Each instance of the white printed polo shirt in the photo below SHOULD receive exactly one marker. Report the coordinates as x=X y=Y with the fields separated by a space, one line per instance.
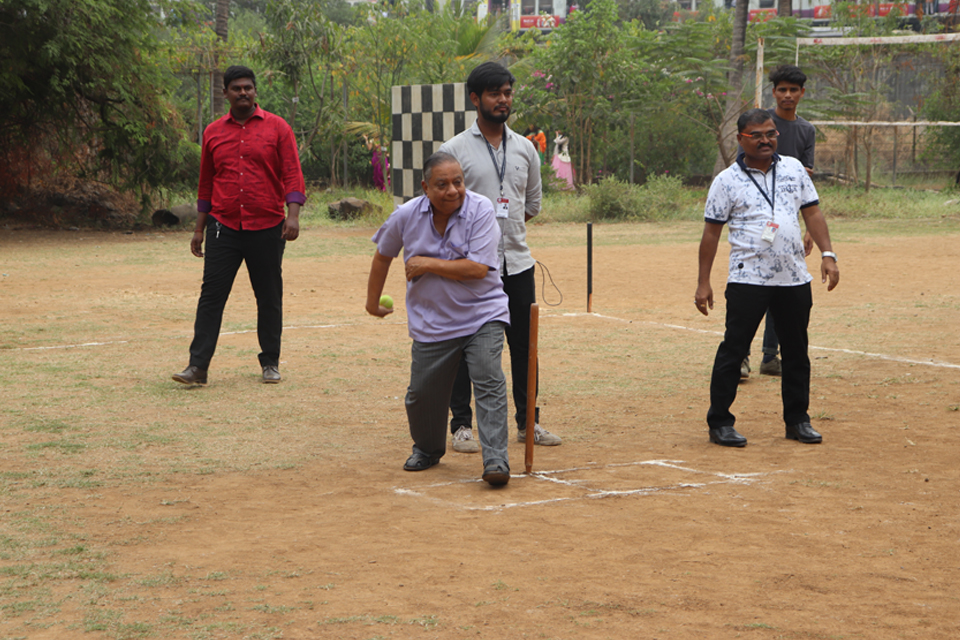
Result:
x=744 y=204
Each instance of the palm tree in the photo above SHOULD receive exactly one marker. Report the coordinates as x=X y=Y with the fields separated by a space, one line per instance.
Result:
x=727 y=137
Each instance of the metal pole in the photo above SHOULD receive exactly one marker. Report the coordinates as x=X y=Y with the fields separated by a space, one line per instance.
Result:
x=589 y=267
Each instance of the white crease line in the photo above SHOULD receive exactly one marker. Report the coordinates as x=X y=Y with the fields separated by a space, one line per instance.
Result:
x=222 y=333
x=881 y=356
x=68 y=346
x=588 y=493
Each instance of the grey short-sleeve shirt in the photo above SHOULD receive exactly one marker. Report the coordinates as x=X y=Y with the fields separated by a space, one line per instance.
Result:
x=521 y=186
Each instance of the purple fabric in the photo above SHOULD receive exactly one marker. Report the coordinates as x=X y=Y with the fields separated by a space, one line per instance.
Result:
x=439 y=308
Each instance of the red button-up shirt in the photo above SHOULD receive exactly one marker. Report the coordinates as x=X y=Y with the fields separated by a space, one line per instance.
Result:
x=248 y=171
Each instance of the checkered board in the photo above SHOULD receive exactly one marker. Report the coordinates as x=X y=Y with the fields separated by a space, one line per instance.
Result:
x=424 y=117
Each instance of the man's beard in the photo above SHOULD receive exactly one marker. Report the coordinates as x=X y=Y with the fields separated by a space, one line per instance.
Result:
x=489 y=116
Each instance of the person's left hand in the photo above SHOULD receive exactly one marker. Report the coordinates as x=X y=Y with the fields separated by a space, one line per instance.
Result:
x=415 y=267
x=829 y=273
x=291 y=229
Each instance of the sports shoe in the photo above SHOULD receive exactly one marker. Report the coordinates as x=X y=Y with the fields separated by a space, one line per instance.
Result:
x=540 y=436
x=271 y=374
x=463 y=441
x=771 y=368
x=745 y=368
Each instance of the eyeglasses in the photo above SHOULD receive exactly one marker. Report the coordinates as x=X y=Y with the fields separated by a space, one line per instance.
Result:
x=760 y=135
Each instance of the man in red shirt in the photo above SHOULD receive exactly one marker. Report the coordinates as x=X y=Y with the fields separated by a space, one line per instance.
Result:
x=248 y=168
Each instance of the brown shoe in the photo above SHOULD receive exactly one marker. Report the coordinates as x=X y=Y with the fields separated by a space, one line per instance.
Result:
x=191 y=375
x=271 y=374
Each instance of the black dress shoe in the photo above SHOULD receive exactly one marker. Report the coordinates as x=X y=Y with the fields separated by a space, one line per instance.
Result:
x=727 y=437
x=804 y=433
x=496 y=473
x=271 y=374
x=419 y=462
x=191 y=375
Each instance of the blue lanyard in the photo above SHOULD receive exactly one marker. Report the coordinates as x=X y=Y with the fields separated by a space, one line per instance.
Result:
x=500 y=169
x=773 y=207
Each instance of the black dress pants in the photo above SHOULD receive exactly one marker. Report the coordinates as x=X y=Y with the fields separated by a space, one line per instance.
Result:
x=522 y=292
x=746 y=304
x=225 y=249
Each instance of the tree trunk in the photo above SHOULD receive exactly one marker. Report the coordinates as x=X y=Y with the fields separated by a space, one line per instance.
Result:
x=222 y=17
x=726 y=142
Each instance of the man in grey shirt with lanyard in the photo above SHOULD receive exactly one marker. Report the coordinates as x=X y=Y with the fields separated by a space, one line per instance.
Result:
x=505 y=167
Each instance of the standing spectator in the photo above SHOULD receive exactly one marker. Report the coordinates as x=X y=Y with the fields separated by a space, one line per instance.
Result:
x=249 y=167
x=539 y=139
x=760 y=196
x=797 y=139
x=503 y=166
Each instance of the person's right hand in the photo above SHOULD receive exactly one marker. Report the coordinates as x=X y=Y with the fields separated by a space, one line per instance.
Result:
x=378 y=310
x=196 y=244
x=703 y=298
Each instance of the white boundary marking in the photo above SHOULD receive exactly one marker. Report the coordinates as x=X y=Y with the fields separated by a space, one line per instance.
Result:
x=589 y=493
x=866 y=354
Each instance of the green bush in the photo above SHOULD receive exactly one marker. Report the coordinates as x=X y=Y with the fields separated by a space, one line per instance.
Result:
x=548 y=178
x=662 y=197
x=613 y=199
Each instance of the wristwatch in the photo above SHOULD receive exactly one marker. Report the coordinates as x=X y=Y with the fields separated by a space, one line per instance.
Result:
x=829 y=254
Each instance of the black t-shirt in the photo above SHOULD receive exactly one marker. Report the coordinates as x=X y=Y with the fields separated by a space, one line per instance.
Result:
x=798 y=138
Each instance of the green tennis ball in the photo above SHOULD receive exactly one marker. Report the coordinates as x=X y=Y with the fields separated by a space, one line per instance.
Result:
x=386 y=301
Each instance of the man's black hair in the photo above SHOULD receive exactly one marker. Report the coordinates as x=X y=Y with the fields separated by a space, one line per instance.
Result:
x=788 y=73
x=236 y=72
x=489 y=76
x=752 y=116
x=435 y=160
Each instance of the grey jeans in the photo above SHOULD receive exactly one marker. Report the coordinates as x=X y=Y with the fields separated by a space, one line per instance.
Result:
x=432 y=372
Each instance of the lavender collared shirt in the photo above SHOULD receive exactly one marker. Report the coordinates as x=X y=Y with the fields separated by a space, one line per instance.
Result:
x=439 y=308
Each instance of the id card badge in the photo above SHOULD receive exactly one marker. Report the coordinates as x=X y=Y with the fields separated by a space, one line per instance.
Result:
x=503 y=207
x=770 y=232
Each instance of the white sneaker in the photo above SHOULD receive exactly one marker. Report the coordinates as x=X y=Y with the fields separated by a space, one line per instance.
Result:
x=540 y=436
x=463 y=441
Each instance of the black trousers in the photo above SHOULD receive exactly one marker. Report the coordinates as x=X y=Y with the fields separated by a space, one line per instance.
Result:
x=225 y=250
x=746 y=304
x=522 y=292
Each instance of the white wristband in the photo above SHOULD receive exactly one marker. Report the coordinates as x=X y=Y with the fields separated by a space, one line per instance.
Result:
x=829 y=254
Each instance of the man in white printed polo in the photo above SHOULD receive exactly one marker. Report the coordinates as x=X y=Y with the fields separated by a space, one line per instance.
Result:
x=759 y=197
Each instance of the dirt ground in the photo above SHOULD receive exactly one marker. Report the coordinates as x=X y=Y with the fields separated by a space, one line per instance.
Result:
x=241 y=510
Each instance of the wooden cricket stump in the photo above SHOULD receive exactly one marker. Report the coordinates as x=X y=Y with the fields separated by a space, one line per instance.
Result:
x=532 y=374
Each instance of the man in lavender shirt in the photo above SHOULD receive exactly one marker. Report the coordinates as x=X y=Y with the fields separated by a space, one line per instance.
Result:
x=456 y=308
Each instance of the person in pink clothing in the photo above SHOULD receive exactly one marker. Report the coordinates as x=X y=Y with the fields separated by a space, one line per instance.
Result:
x=562 y=166
x=378 y=159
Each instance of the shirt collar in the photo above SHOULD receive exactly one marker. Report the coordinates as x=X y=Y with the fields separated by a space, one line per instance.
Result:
x=743 y=166
x=475 y=129
x=425 y=206
x=257 y=113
